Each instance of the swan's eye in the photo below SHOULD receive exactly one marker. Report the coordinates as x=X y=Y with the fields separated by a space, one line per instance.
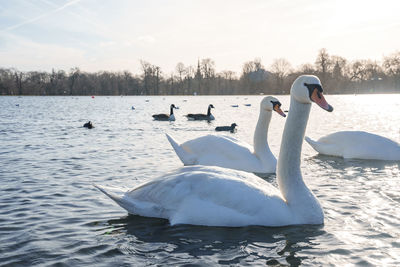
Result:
x=312 y=87
x=276 y=103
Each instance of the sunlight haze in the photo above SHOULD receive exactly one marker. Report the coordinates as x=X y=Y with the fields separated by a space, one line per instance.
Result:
x=116 y=35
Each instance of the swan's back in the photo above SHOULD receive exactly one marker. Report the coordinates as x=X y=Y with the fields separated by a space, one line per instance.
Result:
x=223 y=151
x=361 y=145
x=211 y=196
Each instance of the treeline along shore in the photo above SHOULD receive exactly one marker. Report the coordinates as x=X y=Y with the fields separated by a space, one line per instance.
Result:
x=338 y=76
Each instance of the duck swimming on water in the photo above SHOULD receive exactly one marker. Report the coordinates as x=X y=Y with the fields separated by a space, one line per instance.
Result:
x=166 y=117
x=226 y=128
x=88 y=125
x=204 y=117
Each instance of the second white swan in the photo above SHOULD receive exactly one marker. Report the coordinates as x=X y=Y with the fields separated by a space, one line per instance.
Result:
x=228 y=152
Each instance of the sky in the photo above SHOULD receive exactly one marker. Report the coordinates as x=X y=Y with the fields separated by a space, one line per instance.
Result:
x=114 y=35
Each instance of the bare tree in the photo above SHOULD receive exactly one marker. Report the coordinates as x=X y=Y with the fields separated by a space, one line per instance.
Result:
x=391 y=64
x=207 y=68
x=180 y=69
x=307 y=69
x=281 y=68
x=73 y=78
x=151 y=77
x=227 y=83
x=339 y=66
x=18 y=81
x=357 y=70
x=323 y=64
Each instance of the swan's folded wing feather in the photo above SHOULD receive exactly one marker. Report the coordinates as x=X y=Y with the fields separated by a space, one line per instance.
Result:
x=218 y=150
x=213 y=196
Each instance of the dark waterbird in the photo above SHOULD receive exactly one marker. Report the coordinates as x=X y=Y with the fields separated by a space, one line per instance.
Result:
x=88 y=125
x=226 y=128
x=204 y=117
x=166 y=117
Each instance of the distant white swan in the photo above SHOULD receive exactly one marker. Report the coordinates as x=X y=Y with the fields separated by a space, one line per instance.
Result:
x=357 y=145
x=228 y=152
x=216 y=196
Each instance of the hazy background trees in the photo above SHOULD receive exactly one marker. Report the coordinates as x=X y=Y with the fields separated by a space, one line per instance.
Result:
x=338 y=76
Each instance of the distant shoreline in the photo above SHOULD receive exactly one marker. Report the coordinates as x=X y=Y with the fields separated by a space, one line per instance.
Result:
x=335 y=73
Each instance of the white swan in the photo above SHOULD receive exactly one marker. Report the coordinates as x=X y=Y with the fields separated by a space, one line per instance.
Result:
x=228 y=152
x=356 y=145
x=216 y=196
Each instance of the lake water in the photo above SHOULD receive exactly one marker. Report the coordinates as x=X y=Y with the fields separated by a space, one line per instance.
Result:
x=50 y=214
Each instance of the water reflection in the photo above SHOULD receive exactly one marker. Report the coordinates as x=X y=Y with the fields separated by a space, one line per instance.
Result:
x=268 y=177
x=225 y=245
x=340 y=163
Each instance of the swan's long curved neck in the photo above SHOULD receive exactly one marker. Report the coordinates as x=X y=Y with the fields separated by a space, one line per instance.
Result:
x=260 y=139
x=288 y=172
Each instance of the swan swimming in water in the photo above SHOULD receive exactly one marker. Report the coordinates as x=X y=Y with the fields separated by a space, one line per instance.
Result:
x=215 y=196
x=228 y=152
x=165 y=117
x=202 y=117
x=356 y=145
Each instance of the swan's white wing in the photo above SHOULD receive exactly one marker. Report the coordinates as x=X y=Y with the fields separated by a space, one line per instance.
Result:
x=357 y=144
x=223 y=151
x=325 y=148
x=210 y=196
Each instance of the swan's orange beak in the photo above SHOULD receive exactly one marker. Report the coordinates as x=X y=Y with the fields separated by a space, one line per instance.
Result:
x=279 y=111
x=319 y=99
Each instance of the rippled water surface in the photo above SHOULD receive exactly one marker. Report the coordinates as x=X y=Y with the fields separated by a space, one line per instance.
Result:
x=50 y=214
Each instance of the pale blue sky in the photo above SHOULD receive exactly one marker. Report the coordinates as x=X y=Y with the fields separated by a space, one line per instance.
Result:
x=115 y=34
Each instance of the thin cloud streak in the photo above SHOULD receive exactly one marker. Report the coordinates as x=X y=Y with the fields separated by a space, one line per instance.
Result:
x=29 y=21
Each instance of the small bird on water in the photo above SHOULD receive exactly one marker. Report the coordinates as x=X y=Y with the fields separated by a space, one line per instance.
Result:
x=88 y=125
x=227 y=128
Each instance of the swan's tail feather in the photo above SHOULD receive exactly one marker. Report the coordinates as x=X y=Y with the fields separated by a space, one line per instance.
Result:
x=132 y=205
x=117 y=195
x=325 y=148
x=183 y=155
x=311 y=142
x=317 y=146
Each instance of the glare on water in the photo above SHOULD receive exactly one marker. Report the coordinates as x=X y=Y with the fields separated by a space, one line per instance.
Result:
x=51 y=214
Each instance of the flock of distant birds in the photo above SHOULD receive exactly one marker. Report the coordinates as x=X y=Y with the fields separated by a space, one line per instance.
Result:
x=191 y=116
x=218 y=186
x=195 y=117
